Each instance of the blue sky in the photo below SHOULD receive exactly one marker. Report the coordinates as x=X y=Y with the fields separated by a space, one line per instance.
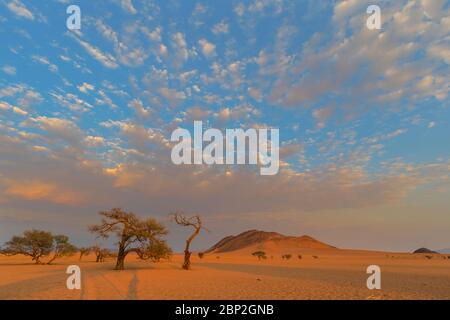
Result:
x=86 y=116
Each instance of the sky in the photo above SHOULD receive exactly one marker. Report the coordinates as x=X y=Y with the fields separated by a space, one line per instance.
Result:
x=86 y=117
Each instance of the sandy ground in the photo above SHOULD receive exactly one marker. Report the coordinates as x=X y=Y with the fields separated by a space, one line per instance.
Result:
x=334 y=274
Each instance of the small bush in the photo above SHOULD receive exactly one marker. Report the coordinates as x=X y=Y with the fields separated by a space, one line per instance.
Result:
x=259 y=254
x=201 y=255
x=315 y=257
x=286 y=256
x=429 y=257
x=300 y=257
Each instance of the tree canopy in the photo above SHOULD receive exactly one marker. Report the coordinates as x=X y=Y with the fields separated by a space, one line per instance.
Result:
x=143 y=237
x=38 y=244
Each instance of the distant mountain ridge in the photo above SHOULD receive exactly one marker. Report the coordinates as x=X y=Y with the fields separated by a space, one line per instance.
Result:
x=260 y=238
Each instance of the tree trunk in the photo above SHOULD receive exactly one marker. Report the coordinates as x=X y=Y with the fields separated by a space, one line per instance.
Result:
x=120 y=264
x=52 y=259
x=187 y=259
x=187 y=253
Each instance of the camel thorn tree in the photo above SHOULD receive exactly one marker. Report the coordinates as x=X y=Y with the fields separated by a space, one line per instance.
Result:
x=62 y=247
x=194 y=222
x=38 y=244
x=143 y=237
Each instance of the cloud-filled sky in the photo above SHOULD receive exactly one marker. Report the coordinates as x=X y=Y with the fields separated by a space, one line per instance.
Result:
x=364 y=119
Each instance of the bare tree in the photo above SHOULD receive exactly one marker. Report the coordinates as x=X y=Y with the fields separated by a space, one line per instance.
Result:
x=194 y=222
x=143 y=237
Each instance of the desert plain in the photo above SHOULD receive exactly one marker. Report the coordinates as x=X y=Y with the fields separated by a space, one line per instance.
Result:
x=319 y=274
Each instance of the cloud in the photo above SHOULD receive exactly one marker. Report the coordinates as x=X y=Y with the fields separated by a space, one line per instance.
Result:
x=6 y=106
x=220 y=27
x=20 y=9
x=44 y=60
x=58 y=129
x=105 y=59
x=181 y=50
x=141 y=111
x=36 y=190
x=128 y=6
x=85 y=87
x=331 y=66
x=72 y=102
x=9 y=70
x=174 y=97
x=25 y=96
x=208 y=48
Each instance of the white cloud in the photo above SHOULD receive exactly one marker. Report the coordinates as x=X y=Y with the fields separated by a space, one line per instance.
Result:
x=181 y=50
x=221 y=27
x=128 y=6
x=105 y=59
x=208 y=48
x=9 y=70
x=85 y=87
x=44 y=60
x=20 y=9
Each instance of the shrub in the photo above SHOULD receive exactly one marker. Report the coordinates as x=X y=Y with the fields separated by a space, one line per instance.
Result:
x=259 y=254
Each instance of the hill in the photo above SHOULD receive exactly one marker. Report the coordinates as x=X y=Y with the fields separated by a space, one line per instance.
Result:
x=269 y=241
x=424 y=250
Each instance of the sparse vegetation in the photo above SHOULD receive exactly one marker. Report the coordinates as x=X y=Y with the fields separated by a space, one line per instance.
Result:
x=38 y=244
x=201 y=255
x=286 y=256
x=143 y=237
x=62 y=247
x=84 y=251
x=259 y=254
x=194 y=222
